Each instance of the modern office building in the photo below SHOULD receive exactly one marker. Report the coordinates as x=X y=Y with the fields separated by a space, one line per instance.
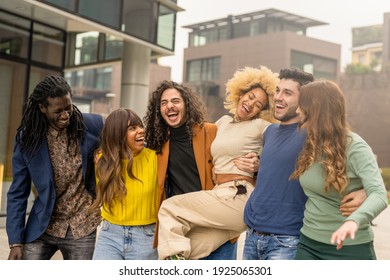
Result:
x=274 y=38
x=367 y=45
x=105 y=49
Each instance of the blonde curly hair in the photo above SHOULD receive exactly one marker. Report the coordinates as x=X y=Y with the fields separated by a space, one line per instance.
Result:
x=246 y=79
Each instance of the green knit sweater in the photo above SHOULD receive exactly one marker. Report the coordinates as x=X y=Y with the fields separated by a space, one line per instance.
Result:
x=322 y=215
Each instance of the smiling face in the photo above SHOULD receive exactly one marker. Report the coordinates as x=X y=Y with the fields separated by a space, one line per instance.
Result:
x=250 y=104
x=135 y=138
x=172 y=108
x=58 y=111
x=286 y=101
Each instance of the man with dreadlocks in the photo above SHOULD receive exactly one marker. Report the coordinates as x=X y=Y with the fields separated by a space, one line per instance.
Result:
x=176 y=128
x=54 y=150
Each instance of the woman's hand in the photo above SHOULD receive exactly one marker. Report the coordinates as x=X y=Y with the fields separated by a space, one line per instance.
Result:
x=348 y=229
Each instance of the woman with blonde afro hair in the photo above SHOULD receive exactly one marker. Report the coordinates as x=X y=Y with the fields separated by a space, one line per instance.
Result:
x=193 y=225
x=249 y=78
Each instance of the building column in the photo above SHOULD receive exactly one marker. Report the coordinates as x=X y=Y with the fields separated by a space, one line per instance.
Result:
x=135 y=78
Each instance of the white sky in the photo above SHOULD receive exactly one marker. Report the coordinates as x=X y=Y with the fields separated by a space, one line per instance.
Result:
x=341 y=16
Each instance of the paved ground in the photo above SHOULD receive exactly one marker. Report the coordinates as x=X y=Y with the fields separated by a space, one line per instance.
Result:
x=381 y=241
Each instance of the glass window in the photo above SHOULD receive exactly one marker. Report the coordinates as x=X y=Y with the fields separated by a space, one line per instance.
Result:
x=193 y=70
x=166 y=27
x=66 y=4
x=223 y=34
x=103 y=11
x=12 y=80
x=48 y=45
x=139 y=19
x=14 y=35
x=86 y=48
x=203 y=69
x=197 y=39
x=322 y=67
x=113 y=47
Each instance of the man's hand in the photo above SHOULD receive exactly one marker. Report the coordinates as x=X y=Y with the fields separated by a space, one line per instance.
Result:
x=348 y=229
x=352 y=201
x=16 y=253
x=248 y=163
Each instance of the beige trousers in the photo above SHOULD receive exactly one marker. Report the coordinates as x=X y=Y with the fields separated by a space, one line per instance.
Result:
x=197 y=223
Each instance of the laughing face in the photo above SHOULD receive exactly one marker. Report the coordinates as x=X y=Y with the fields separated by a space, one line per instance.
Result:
x=172 y=108
x=250 y=104
x=286 y=101
x=135 y=138
x=58 y=111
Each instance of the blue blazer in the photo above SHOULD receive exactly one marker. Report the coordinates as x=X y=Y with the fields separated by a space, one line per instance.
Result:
x=39 y=171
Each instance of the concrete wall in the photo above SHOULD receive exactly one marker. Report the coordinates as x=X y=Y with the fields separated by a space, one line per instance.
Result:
x=368 y=110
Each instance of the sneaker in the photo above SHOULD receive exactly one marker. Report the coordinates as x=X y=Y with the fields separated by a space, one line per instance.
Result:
x=178 y=257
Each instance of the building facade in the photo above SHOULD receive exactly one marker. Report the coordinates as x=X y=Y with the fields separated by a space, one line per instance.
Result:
x=105 y=50
x=367 y=45
x=270 y=37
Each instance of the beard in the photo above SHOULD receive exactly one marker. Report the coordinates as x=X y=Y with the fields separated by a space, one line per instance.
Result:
x=290 y=114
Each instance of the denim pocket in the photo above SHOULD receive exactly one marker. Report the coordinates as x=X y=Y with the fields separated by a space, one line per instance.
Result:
x=105 y=225
x=287 y=241
x=149 y=229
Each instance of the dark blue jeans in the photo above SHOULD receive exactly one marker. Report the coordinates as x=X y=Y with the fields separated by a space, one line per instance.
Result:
x=46 y=246
x=227 y=251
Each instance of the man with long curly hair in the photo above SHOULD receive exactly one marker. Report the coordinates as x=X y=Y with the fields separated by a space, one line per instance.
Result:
x=176 y=128
x=54 y=150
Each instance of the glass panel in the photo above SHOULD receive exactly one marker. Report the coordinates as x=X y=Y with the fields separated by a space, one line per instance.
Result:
x=66 y=4
x=113 y=48
x=90 y=88
x=193 y=70
x=103 y=11
x=138 y=19
x=166 y=28
x=12 y=80
x=48 y=45
x=86 y=49
x=322 y=68
x=14 y=35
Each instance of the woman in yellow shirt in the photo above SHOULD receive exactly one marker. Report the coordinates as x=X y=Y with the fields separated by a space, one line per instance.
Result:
x=126 y=190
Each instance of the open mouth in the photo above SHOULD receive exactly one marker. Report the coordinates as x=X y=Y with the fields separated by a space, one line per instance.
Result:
x=172 y=116
x=246 y=108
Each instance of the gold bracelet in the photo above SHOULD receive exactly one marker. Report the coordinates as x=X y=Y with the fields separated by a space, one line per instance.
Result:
x=15 y=245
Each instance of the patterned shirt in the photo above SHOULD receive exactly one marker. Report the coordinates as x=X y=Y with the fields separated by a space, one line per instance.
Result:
x=72 y=198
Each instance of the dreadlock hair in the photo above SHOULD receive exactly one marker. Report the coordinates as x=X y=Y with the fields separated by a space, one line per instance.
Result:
x=34 y=124
x=110 y=157
x=157 y=130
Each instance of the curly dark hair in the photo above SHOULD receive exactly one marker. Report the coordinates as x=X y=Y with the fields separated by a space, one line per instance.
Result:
x=34 y=124
x=299 y=76
x=156 y=129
